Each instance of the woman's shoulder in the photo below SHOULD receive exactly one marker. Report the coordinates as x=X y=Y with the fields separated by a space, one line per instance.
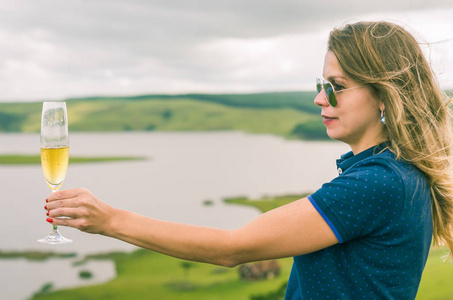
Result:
x=386 y=161
x=384 y=167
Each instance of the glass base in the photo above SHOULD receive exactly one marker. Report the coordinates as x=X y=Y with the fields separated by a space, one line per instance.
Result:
x=54 y=237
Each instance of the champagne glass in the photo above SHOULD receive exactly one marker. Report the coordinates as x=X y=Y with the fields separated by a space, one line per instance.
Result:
x=54 y=155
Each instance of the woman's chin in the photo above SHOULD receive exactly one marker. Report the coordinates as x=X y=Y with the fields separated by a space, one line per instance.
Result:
x=333 y=135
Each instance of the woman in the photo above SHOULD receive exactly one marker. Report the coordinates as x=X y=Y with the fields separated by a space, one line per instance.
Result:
x=365 y=234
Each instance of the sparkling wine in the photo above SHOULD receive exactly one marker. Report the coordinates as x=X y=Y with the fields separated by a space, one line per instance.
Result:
x=54 y=143
x=54 y=163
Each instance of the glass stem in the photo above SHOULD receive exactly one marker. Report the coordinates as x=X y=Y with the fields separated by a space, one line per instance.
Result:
x=55 y=226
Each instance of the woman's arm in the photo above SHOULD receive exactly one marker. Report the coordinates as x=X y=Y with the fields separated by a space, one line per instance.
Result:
x=290 y=230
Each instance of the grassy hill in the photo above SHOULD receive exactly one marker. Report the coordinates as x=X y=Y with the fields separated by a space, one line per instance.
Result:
x=290 y=114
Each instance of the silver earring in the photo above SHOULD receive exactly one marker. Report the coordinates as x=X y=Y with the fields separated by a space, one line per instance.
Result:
x=382 y=117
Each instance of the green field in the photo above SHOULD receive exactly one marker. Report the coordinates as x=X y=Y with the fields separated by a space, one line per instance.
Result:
x=149 y=275
x=436 y=279
x=264 y=204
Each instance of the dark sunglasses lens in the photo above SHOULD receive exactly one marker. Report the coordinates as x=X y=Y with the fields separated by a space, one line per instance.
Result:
x=318 y=87
x=330 y=94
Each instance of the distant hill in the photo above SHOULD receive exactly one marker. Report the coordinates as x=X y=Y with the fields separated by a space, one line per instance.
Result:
x=297 y=100
x=291 y=114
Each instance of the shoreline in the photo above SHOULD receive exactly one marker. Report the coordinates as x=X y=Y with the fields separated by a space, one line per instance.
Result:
x=14 y=159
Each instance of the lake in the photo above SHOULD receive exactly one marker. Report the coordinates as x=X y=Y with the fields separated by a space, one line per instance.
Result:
x=180 y=172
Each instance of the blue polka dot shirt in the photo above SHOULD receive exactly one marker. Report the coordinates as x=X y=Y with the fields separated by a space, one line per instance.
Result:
x=379 y=209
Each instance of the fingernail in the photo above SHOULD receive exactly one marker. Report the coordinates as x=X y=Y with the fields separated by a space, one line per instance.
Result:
x=45 y=206
x=47 y=200
x=50 y=220
x=47 y=213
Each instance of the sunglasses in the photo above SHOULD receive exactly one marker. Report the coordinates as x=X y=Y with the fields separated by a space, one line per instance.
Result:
x=329 y=91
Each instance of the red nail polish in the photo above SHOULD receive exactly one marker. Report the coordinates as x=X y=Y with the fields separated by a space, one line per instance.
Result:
x=50 y=220
x=45 y=206
x=47 y=200
x=47 y=213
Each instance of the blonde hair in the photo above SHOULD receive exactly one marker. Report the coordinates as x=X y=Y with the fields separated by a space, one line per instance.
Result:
x=389 y=60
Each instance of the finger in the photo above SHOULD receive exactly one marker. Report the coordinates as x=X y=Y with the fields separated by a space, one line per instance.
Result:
x=75 y=223
x=68 y=198
x=61 y=222
x=66 y=194
x=68 y=203
x=63 y=212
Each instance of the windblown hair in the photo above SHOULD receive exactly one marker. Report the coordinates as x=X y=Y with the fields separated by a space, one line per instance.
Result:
x=389 y=60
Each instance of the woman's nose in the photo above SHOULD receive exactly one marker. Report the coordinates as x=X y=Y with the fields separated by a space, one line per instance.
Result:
x=320 y=99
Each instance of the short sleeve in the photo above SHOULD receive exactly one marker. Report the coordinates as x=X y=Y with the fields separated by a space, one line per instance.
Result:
x=364 y=200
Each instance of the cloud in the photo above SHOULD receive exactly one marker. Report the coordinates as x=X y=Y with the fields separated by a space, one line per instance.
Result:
x=58 y=49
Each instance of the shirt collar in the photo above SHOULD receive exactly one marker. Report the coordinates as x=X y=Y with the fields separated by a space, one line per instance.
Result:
x=349 y=159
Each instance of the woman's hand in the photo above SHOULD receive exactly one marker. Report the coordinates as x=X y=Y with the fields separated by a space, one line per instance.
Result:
x=85 y=211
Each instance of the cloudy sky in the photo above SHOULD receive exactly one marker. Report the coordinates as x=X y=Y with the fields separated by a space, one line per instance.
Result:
x=55 y=49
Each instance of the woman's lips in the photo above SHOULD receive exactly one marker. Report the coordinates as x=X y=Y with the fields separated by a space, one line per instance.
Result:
x=327 y=120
